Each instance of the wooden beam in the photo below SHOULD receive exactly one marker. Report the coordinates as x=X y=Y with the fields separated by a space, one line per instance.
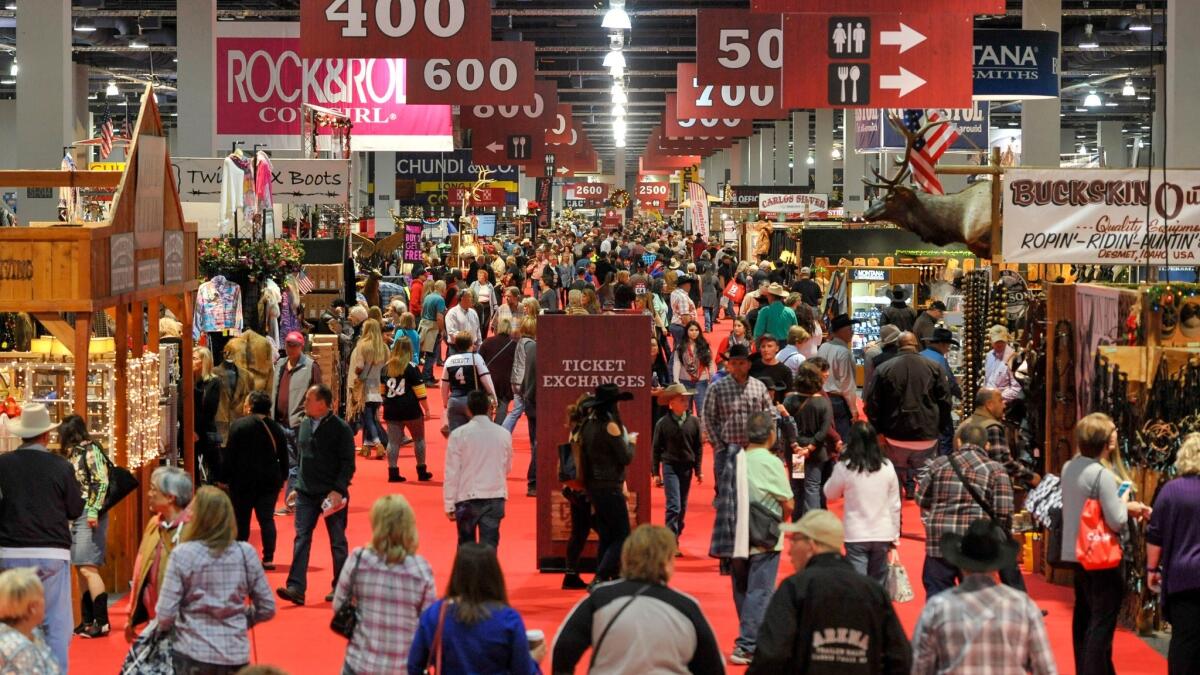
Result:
x=997 y=199
x=83 y=336
x=60 y=329
x=49 y=178
x=187 y=386
x=121 y=412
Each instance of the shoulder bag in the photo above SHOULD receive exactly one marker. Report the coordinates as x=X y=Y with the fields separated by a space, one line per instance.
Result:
x=604 y=633
x=434 y=663
x=120 y=481
x=764 y=526
x=1097 y=547
x=987 y=508
x=345 y=618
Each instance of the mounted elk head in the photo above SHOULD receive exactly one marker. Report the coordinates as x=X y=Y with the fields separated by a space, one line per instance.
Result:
x=965 y=217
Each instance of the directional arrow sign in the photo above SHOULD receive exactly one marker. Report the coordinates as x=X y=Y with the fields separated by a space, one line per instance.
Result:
x=906 y=37
x=495 y=147
x=875 y=60
x=904 y=83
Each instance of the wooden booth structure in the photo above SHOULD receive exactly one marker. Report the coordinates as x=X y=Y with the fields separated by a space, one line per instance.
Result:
x=142 y=258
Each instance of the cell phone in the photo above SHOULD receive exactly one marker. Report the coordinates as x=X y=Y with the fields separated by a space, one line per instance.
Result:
x=1123 y=488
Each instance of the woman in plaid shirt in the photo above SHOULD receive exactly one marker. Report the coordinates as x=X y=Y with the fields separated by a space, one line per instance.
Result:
x=390 y=585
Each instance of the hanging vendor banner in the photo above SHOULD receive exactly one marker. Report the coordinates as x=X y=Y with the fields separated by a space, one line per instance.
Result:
x=480 y=198
x=294 y=181
x=698 y=211
x=425 y=178
x=1101 y=216
x=412 y=241
x=746 y=196
x=262 y=82
x=1015 y=64
x=792 y=203
x=874 y=133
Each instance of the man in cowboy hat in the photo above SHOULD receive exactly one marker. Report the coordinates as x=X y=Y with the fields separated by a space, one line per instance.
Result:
x=1006 y=628
x=729 y=402
x=777 y=318
x=683 y=309
x=898 y=314
x=841 y=387
x=39 y=499
x=677 y=449
x=828 y=618
x=937 y=345
x=880 y=352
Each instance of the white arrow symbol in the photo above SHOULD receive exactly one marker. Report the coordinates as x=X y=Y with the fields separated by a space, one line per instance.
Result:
x=906 y=82
x=495 y=147
x=564 y=170
x=906 y=38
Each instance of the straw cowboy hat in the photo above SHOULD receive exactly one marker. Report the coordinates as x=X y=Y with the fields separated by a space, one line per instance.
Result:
x=672 y=391
x=33 y=422
x=998 y=333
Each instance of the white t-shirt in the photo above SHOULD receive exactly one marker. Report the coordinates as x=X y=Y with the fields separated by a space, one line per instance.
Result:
x=872 y=508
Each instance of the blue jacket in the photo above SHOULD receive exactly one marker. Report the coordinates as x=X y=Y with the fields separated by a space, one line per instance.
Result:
x=495 y=645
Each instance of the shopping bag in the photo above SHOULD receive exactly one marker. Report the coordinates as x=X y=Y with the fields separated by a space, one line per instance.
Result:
x=150 y=654
x=898 y=587
x=734 y=291
x=1097 y=547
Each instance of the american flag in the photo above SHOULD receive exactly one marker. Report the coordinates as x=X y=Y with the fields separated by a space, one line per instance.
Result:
x=929 y=148
x=304 y=284
x=106 y=135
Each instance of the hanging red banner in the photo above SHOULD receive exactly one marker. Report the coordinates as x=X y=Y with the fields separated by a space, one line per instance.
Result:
x=906 y=7
x=506 y=77
x=512 y=134
x=879 y=61
x=652 y=195
x=560 y=130
x=734 y=46
x=753 y=101
x=484 y=197
x=408 y=29
x=676 y=127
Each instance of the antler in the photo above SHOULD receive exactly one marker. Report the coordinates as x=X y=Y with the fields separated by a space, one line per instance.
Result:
x=903 y=165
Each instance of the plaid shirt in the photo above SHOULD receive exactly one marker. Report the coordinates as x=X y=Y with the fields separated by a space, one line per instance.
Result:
x=390 y=599
x=998 y=450
x=728 y=406
x=203 y=599
x=947 y=505
x=681 y=305
x=725 y=505
x=982 y=628
x=388 y=291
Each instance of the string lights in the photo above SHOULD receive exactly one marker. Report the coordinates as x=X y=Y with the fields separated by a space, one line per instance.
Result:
x=145 y=413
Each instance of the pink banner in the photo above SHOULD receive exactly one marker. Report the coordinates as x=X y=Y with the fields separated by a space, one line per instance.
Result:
x=262 y=83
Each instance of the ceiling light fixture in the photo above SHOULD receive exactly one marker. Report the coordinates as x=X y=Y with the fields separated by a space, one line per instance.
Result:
x=618 y=94
x=8 y=81
x=1088 y=41
x=614 y=57
x=616 y=70
x=1083 y=149
x=810 y=161
x=618 y=110
x=1111 y=104
x=14 y=68
x=85 y=25
x=111 y=89
x=10 y=6
x=836 y=154
x=1092 y=100
x=1128 y=89
x=616 y=18
x=138 y=44
x=1139 y=23
x=1143 y=97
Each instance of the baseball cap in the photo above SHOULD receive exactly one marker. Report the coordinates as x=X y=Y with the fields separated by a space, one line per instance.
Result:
x=819 y=525
x=294 y=338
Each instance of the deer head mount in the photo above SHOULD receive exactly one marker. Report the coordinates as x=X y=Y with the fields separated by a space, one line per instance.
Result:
x=965 y=217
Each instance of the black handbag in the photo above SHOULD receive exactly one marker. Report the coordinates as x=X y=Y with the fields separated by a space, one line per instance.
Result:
x=120 y=481
x=764 y=526
x=345 y=618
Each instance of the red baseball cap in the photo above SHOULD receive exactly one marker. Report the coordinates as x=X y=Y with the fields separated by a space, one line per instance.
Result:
x=294 y=338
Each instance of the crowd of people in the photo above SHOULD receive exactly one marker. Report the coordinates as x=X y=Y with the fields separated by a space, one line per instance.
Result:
x=776 y=402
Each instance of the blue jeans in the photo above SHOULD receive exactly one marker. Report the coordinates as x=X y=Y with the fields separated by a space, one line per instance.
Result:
x=709 y=315
x=753 y=584
x=501 y=410
x=696 y=405
x=55 y=576
x=909 y=464
x=938 y=575
x=869 y=558
x=430 y=358
x=677 y=333
x=518 y=409
x=813 y=495
x=372 y=431
x=308 y=510
x=478 y=520
x=677 y=481
x=456 y=412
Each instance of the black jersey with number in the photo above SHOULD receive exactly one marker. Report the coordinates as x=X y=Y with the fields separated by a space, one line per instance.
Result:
x=464 y=372
x=402 y=395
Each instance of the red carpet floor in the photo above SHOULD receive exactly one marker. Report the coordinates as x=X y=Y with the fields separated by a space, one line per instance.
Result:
x=298 y=638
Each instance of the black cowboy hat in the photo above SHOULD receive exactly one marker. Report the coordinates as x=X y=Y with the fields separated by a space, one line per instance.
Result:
x=984 y=548
x=737 y=352
x=941 y=335
x=841 y=321
x=897 y=293
x=607 y=394
x=770 y=383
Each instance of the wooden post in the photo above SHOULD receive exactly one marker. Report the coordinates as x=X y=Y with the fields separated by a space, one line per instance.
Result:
x=121 y=412
x=83 y=325
x=997 y=199
x=152 y=324
x=187 y=387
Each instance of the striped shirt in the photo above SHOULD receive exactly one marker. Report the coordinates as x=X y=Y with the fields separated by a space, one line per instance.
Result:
x=983 y=628
x=390 y=598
